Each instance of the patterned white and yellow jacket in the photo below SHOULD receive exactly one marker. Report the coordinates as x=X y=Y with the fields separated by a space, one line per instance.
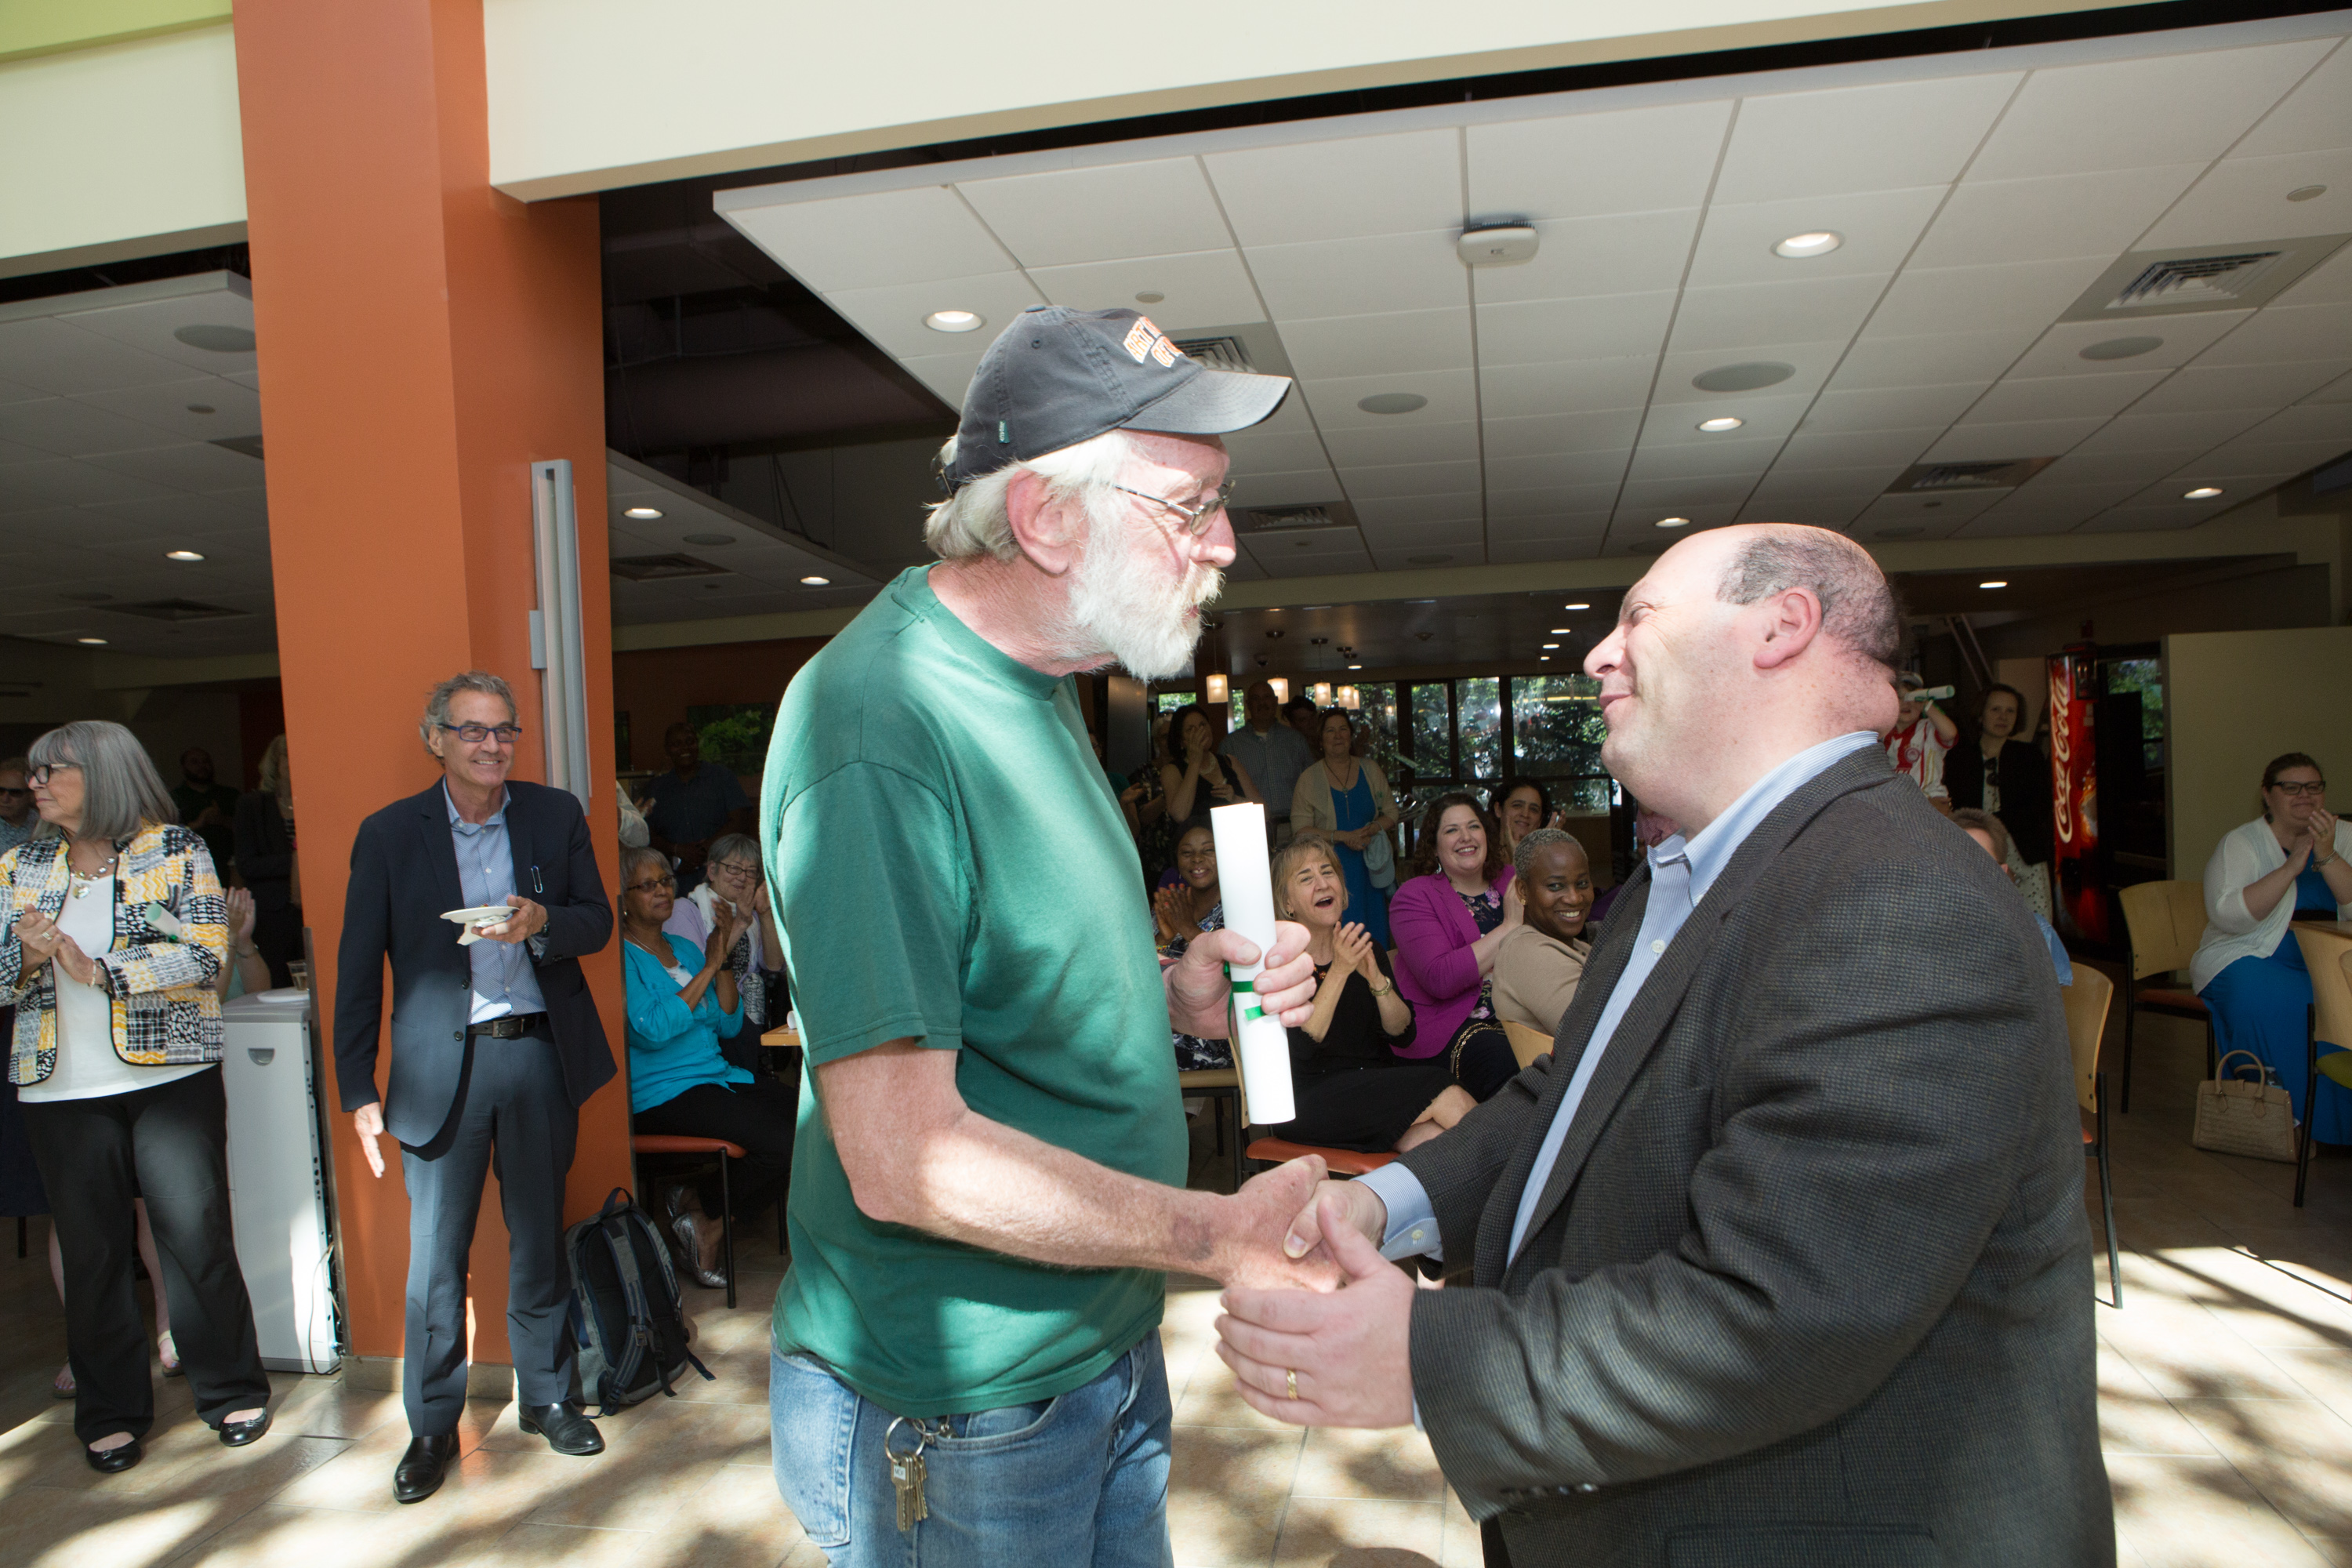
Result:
x=171 y=938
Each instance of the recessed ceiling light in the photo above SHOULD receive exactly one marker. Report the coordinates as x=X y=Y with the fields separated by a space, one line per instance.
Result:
x=1392 y=403
x=2202 y=492
x=815 y=581
x=1576 y=606
x=183 y=555
x=1150 y=297
x=1561 y=631
x=1355 y=667
x=1746 y=376
x=643 y=513
x=953 y=322
x=1544 y=657
x=1814 y=242
x=1673 y=522
x=1996 y=582
x=217 y=339
x=1721 y=423
x=94 y=642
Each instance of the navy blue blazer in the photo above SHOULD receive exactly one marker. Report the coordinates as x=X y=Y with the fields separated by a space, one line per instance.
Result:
x=404 y=876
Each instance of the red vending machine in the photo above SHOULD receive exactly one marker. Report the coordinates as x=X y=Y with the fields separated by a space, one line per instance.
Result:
x=2078 y=895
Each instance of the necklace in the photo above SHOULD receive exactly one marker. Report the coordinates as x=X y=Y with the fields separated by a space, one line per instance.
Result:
x=82 y=883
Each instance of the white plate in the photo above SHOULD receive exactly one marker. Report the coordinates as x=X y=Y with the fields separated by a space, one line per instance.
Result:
x=480 y=915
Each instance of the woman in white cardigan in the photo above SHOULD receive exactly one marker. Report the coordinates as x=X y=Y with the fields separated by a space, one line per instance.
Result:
x=2249 y=969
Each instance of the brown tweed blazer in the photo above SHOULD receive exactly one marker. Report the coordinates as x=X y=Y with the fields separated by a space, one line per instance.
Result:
x=1809 y=1283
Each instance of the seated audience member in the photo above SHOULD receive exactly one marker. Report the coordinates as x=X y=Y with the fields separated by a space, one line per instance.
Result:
x=1992 y=836
x=2000 y=772
x=1449 y=921
x=1651 y=828
x=2249 y=967
x=1539 y=961
x=735 y=882
x=246 y=973
x=1181 y=911
x=681 y=1005
x=1352 y=1092
x=1923 y=733
x=1520 y=808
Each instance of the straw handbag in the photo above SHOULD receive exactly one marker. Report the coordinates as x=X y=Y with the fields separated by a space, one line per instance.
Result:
x=2238 y=1116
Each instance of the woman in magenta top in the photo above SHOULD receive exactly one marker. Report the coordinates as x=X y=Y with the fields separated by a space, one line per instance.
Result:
x=1447 y=922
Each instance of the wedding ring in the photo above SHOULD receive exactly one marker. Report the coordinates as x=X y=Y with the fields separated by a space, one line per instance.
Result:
x=1293 y=1382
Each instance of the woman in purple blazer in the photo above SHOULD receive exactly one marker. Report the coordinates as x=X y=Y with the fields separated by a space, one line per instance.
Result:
x=1447 y=922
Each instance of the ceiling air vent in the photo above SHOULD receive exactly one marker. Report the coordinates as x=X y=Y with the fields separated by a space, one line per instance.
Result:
x=178 y=610
x=654 y=568
x=1218 y=354
x=1289 y=519
x=1992 y=474
x=2200 y=277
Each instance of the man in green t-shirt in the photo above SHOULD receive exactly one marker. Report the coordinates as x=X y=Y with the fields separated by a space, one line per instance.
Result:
x=988 y=1189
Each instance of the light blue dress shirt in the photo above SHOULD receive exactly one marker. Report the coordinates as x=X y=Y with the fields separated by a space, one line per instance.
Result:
x=503 y=981
x=1680 y=875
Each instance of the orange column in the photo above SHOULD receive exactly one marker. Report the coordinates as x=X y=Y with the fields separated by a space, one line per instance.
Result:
x=423 y=339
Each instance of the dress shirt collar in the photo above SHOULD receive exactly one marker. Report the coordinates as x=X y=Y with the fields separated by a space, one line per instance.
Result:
x=1710 y=850
x=496 y=820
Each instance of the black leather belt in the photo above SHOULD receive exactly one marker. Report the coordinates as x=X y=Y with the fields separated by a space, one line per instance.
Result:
x=514 y=1026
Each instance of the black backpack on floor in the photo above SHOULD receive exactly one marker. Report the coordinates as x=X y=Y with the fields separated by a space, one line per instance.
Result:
x=625 y=1308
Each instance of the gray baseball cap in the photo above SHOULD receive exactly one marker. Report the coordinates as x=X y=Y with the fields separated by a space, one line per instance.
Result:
x=1057 y=376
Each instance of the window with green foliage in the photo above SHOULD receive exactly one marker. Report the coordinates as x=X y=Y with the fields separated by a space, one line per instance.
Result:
x=1478 y=726
x=1429 y=748
x=2145 y=677
x=1556 y=735
x=734 y=735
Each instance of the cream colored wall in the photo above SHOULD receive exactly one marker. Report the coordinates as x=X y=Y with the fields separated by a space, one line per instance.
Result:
x=126 y=149
x=2232 y=701
x=590 y=94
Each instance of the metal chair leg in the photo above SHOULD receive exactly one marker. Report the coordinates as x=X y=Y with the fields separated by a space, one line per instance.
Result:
x=2107 y=1200
x=2131 y=1016
x=727 y=1226
x=2310 y=1077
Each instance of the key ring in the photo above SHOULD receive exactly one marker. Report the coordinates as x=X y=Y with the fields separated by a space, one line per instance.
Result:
x=890 y=1431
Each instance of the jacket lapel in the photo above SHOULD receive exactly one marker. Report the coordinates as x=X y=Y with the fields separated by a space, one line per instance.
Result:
x=1645 y=1023
x=440 y=848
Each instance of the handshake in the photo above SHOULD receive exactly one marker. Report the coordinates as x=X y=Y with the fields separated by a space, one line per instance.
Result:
x=1270 y=1234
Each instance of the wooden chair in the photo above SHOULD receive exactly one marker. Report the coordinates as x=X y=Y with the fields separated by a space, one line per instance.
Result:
x=2328 y=953
x=671 y=1145
x=1528 y=1042
x=2163 y=923
x=2087 y=1001
x=1221 y=1087
x=1340 y=1162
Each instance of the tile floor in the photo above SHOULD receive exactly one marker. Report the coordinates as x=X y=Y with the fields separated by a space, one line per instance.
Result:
x=2226 y=1411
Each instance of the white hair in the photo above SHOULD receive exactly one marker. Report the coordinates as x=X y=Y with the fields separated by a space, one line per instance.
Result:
x=976 y=521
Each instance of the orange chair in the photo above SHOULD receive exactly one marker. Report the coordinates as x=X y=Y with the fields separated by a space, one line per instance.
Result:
x=1340 y=1162
x=2163 y=923
x=2087 y=1001
x=1222 y=1088
x=671 y=1144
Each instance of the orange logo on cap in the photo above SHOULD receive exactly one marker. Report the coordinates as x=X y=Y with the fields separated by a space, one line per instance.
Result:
x=1145 y=340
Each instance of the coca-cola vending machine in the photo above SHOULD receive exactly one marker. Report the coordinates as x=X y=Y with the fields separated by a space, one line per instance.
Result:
x=2078 y=894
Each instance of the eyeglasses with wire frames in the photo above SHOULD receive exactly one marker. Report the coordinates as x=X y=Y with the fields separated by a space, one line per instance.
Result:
x=650 y=883
x=475 y=734
x=1197 y=519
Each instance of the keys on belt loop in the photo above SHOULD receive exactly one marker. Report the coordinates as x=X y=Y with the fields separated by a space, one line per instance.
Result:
x=907 y=1475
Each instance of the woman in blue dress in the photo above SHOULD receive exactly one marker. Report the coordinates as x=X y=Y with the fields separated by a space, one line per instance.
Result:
x=1347 y=799
x=2249 y=969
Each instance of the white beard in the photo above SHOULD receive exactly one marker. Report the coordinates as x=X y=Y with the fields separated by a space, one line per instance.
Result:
x=1121 y=611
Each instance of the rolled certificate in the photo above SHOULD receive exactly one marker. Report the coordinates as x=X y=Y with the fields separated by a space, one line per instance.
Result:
x=1261 y=1045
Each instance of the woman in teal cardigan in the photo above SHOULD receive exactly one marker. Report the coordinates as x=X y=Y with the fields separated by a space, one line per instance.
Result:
x=681 y=1005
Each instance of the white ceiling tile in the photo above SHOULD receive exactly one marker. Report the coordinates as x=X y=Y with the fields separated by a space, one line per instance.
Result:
x=1398 y=512
x=1742 y=315
x=2122 y=114
x=2179 y=339
x=1636 y=521
x=1391 y=481
x=1602 y=327
x=1954 y=507
x=70 y=428
x=1810 y=364
x=193 y=466
x=2316 y=114
x=2278 y=332
x=2329 y=283
x=1256 y=450
x=1372 y=345
x=1563 y=546
x=1298 y=487
x=1375 y=276
x=1735 y=245
x=1572 y=387
x=2145 y=520
x=1101 y=213
x=2023 y=399
x=1342 y=189
x=1813 y=511
x=2001 y=523
x=1580 y=526
x=1375 y=444
x=946 y=375
x=2184 y=434
x=1602 y=430
x=61 y=481
x=2200 y=386
x=1290 y=562
x=2053 y=217
x=1939 y=359
x=2250 y=457
x=2030 y=438
x=1398 y=538
x=1580 y=166
x=194 y=514
x=893 y=316
x=149 y=326
x=1203 y=288
x=1767 y=414
x=1854 y=450
x=1245 y=569
x=2242 y=199
x=1548 y=498
x=1892 y=408
x=2079 y=467
x=1577 y=258
x=1745 y=460
x=2307 y=422
x=1791 y=484
x=1662 y=497
x=1928 y=299
x=1452 y=396
x=1858 y=138
x=10 y=452
x=839 y=243
x=57 y=357
x=236 y=408
x=1557 y=468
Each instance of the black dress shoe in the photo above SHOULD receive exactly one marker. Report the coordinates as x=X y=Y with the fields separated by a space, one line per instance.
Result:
x=419 y=1474
x=237 y=1433
x=115 y=1460
x=567 y=1431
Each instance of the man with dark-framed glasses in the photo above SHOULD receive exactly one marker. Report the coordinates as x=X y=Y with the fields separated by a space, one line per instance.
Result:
x=496 y=1045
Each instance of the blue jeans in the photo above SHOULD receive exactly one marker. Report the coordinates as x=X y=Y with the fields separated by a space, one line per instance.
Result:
x=1078 y=1478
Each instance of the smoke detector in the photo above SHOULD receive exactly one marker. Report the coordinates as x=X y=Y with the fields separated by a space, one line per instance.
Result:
x=1497 y=245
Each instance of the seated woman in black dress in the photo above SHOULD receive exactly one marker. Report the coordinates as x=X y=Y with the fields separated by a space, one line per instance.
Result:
x=1352 y=1090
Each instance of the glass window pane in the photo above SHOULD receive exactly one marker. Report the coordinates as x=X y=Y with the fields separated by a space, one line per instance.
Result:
x=1478 y=706
x=1433 y=752
x=1376 y=720
x=1556 y=733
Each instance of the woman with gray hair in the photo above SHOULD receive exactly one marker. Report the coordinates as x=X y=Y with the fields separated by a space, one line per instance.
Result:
x=116 y=932
x=733 y=881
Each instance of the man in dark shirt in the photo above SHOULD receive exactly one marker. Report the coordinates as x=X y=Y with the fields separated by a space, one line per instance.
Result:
x=207 y=807
x=693 y=803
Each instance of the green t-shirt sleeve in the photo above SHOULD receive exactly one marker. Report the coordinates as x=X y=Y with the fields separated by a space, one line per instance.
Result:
x=874 y=912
